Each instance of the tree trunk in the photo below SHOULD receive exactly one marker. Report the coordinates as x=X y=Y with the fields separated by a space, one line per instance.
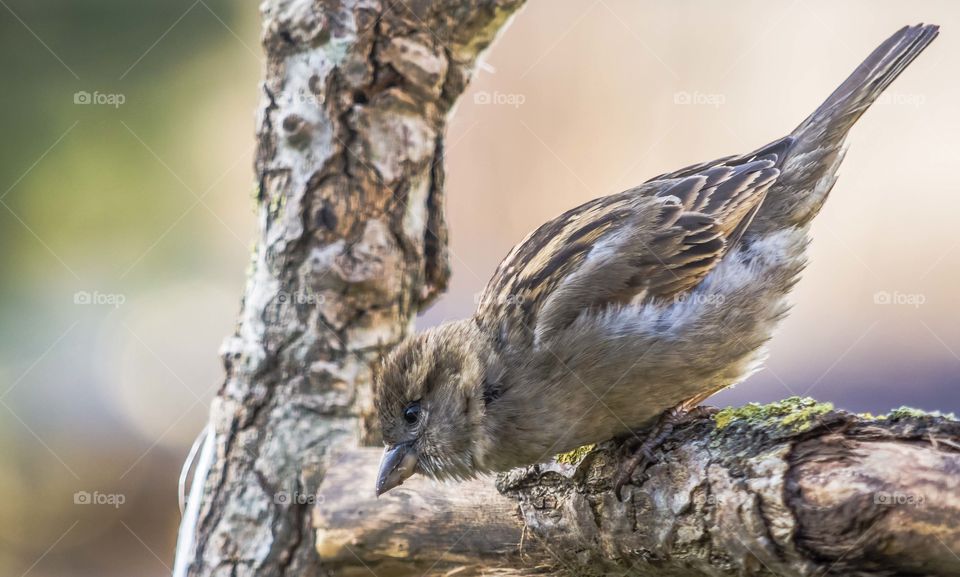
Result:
x=790 y=490
x=352 y=243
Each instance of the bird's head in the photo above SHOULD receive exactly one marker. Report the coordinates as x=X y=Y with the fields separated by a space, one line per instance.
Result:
x=430 y=396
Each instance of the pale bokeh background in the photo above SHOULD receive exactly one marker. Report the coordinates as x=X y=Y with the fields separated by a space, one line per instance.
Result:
x=149 y=203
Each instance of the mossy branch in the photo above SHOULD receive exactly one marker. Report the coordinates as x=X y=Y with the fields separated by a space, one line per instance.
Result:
x=794 y=488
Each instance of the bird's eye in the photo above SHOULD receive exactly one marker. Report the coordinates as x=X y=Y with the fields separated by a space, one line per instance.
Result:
x=412 y=413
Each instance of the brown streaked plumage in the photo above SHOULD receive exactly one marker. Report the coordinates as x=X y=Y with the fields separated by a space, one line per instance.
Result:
x=626 y=306
x=672 y=232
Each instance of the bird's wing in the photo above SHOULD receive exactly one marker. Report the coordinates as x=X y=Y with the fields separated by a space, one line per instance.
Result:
x=653 y=242
x=774 y=151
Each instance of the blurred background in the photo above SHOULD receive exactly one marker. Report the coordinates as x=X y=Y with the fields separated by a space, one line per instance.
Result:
x=126 y=218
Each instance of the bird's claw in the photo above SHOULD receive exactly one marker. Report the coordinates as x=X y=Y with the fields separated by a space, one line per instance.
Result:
x=643 y=455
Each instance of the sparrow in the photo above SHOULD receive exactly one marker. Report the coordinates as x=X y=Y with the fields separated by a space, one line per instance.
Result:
x=626 y=312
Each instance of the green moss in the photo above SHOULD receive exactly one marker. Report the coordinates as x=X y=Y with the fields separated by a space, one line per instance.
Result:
x=795 y=413
x=912 y=413
x=575 y=456
x=798 y=414
x=906 y=412
x=276 y=202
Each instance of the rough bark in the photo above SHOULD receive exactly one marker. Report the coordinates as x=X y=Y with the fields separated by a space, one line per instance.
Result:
x=789 y=493
x=352 y=243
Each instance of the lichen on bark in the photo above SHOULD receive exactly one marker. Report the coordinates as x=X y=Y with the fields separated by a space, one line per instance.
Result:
x=352 y=243
x=755 y=497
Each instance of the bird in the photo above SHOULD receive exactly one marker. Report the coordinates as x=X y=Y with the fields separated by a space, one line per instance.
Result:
x=622 y=315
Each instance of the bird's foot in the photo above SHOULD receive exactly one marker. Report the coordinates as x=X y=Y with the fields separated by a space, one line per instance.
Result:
x=643 y=455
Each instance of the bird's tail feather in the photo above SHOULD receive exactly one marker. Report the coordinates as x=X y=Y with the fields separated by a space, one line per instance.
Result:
x=862 y=88
x=810 y=156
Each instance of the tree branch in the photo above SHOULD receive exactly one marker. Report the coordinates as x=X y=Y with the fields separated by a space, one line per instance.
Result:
x=790 y=489
x=352 y=243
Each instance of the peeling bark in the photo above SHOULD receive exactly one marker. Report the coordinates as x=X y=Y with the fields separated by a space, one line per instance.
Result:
x=835 y=495
x=352 y=243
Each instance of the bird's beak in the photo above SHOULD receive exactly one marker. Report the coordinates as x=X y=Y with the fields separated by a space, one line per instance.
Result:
x=397 y=464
